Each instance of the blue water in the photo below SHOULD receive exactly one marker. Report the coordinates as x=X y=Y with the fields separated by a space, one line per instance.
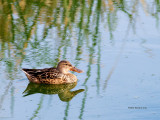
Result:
x=116 y=44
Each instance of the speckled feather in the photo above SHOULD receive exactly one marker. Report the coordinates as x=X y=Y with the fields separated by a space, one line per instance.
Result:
x=59 y=75
x=49 y=76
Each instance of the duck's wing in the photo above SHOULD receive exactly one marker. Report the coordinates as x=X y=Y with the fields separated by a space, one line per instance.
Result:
x=43 y=73
x=34 y=72
x=47 y=75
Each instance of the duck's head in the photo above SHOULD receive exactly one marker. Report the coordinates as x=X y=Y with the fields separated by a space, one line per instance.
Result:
x=65 y=66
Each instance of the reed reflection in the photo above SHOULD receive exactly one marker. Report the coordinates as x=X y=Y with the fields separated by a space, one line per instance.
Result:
x=20 y=23
x=64 y=90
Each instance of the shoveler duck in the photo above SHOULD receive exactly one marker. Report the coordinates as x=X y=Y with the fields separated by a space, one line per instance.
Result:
x=58 y=75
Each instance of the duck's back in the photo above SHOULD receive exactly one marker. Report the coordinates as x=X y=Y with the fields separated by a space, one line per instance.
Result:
x=49 y=76
x=43 y=75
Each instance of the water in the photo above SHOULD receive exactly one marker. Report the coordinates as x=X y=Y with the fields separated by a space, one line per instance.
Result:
x=116 y=44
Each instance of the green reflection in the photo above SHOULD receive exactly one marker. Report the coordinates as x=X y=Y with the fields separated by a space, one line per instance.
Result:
x=38 y=108
x=66 y=111
x=20 y=21
x=64 y=91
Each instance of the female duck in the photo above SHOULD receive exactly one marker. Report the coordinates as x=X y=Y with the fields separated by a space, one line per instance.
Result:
x=59 y=75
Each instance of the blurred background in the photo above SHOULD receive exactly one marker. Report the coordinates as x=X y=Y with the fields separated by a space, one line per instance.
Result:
x=115 y=42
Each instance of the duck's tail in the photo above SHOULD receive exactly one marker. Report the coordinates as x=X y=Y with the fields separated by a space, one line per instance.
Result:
x=26 y=71
x=31 y=75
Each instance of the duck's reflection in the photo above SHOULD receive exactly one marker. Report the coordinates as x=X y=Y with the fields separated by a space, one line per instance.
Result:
x=63 y=90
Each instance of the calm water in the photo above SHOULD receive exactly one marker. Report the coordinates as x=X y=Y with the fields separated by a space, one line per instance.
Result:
x=116 y=43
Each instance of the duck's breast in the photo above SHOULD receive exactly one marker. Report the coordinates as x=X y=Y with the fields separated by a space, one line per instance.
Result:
x=69 y=78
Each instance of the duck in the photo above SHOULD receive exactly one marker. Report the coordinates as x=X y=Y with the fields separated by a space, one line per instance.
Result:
x=58 y=75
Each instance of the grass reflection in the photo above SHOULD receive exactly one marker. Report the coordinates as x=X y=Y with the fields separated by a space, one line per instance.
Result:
x=38 y=108
x=20 y=23
x=66 y=111
x=83 y=103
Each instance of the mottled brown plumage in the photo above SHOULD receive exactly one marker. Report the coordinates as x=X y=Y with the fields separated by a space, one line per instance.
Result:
x=59 y=75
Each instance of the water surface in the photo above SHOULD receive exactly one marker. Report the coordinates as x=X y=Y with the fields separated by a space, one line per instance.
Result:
x=116 y=43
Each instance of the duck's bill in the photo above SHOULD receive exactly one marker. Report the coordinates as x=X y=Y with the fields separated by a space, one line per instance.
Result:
x=76 y=70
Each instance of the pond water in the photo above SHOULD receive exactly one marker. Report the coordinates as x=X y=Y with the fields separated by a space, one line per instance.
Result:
x=115 y=42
